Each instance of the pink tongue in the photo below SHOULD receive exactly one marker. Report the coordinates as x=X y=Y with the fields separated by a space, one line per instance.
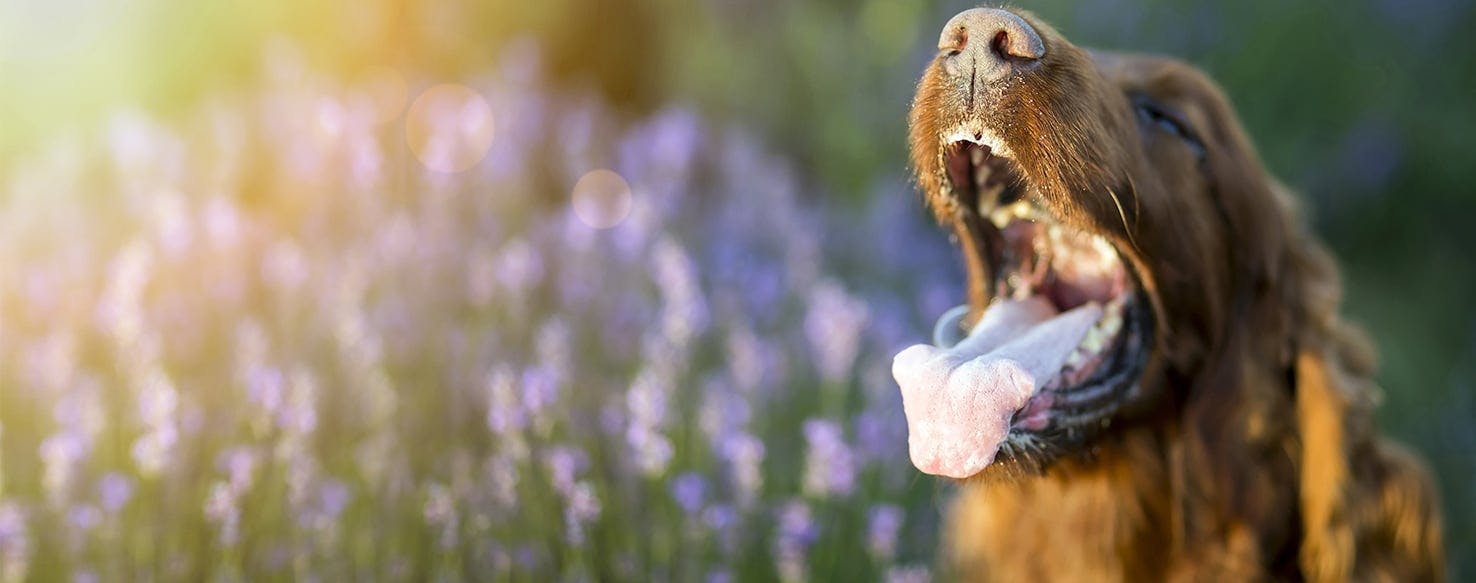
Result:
x=959 y=400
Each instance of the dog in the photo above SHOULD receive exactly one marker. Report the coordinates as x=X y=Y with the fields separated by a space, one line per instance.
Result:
x=1215 y=421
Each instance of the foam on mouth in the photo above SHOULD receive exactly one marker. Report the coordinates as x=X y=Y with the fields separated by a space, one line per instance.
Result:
x=959 y=401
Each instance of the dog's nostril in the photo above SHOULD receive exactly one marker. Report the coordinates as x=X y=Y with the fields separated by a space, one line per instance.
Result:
x=1001 y=44
x=954 y=40
x=1004 y=49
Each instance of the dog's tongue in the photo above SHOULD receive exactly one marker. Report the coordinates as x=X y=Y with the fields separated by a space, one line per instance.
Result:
x=959 y=400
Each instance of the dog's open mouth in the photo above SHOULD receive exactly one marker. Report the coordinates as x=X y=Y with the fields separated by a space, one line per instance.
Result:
x=1054 y=355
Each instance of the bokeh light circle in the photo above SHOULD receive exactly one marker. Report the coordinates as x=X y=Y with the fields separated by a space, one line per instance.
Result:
x=449 y=127
x=602 y=199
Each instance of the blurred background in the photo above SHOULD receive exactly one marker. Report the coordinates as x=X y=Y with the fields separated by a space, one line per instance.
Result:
x=589 y=289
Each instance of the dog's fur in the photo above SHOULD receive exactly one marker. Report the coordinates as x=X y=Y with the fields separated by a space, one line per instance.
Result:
x=1257 y=457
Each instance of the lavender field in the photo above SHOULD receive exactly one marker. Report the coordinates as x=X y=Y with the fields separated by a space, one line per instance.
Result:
x=391 y=329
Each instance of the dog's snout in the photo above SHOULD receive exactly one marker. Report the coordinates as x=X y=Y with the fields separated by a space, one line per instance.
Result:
x=985 y=44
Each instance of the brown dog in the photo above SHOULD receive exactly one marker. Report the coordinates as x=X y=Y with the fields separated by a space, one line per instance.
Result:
x=1221 y=429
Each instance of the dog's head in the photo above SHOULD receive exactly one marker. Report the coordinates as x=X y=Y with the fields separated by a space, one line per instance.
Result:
x=1080 y=176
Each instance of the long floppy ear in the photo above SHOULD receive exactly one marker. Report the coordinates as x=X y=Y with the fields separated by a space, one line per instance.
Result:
x=1328 y=545
x=1369 y=509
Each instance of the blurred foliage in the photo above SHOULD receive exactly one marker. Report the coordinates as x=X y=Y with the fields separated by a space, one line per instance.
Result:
x=1363 y=106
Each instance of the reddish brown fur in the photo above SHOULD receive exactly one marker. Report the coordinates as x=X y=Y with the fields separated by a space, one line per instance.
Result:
x=1258 y=458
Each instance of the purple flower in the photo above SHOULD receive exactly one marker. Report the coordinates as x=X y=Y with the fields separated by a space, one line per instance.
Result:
x=723 y=411
x=113 y=491
x=265 y=387
x=583 y=507
x=84 y=517
x=222 y=506
x=723 y=520
x=504 y=411
x=61 y=454
x=745 y=456
x=299 y=416
x=239 y=463
x=881 y=434
x=440 y=511
x=502 y=478
x=15 y=543
x=564 y=464
x=652 y=450
x=540 y=388
x=689 y=489
x=882 y=525
x=830 y=467
x=518 y=267
x=908 y=574
x=684 y=312
x=833 y=325
x=325 y=505
x=796 y=532
x=646 y=402
x=747 y=358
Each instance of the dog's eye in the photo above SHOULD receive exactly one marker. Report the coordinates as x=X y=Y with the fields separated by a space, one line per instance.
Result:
x=1156 y=116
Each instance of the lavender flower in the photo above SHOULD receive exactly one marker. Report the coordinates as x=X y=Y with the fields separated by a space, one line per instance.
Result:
x=689 y=490
x=15 y=543
x=502 y=473
x=908 y=574
x=796 y=532
x=540 y=389
x=504 y=410
x=60 y=455
x=830 y=467
x=646 y=401
x=222 y=507
x=833 y=325
x=747 y=358
x=684 y=313
x=325 y=505
x=882 y=525
x=745 y=456
x=113 y=491
x=583 y=507
x=440 y=512
x=564 y=464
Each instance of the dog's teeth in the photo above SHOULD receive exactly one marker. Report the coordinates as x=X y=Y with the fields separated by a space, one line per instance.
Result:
x=1075 y=359
x=976 y=155
x=1111 y=324
x=1001 y=217
x=1104 y=250
x=1093 y=341
x=1018 y=289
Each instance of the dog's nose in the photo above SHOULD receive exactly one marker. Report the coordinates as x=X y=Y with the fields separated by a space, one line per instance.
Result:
x=988 y=42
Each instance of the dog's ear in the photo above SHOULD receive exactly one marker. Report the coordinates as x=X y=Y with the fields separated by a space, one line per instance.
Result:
x=1322 y=402
x=1352 y=487
x=1331 y=386
x=1355 y=488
